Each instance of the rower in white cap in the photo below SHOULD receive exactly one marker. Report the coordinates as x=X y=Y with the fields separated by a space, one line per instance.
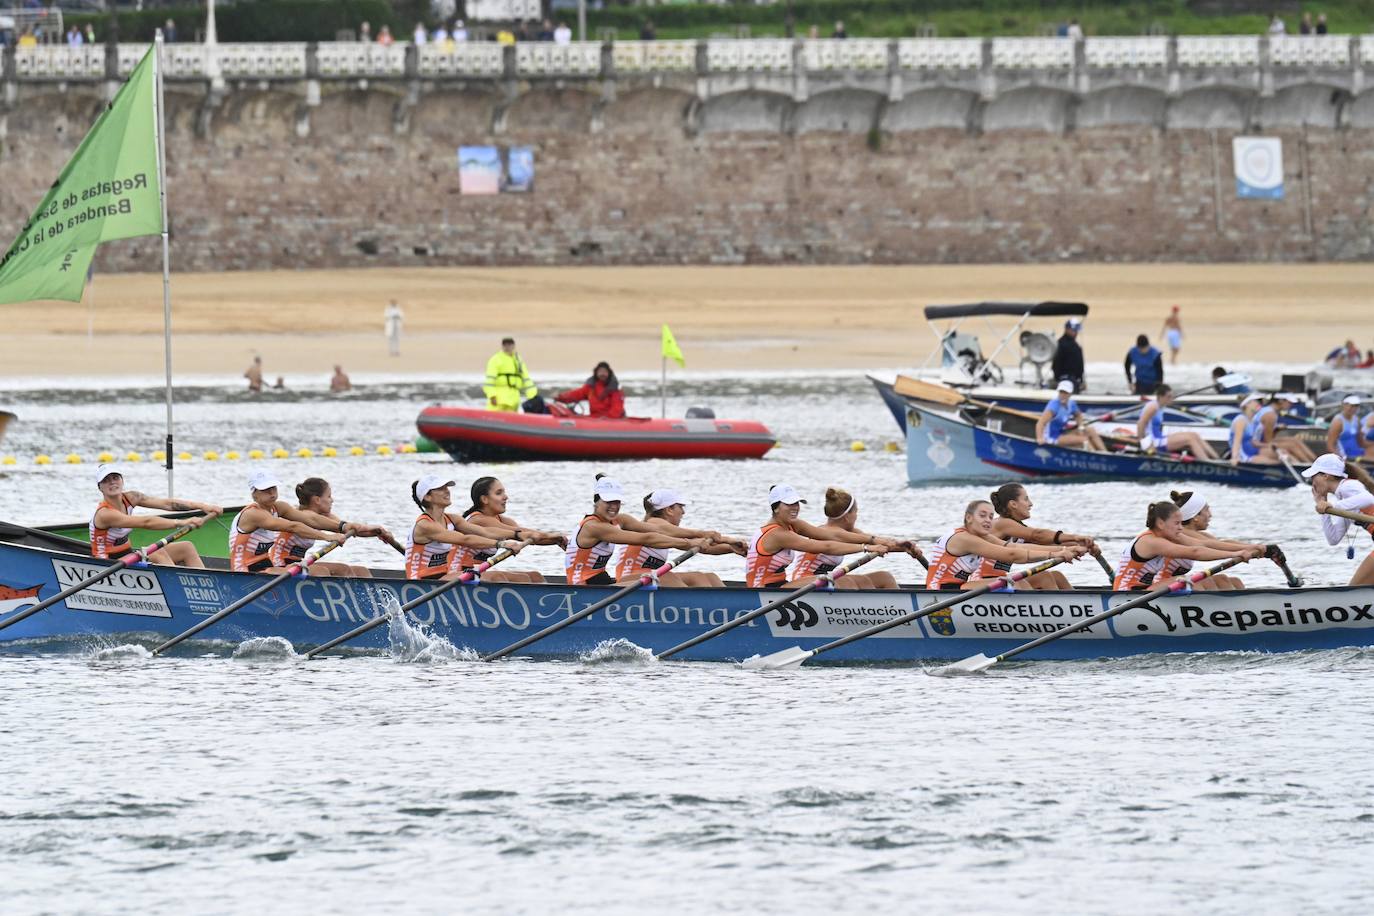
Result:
x=114 y=518
x=432 y=545
x=1197 y=516
x=1053 y=426
x=663 y=512
x=1331 y=487
x=255 y=528
x=590 y=549
x=1344 y=436
x=785 y=534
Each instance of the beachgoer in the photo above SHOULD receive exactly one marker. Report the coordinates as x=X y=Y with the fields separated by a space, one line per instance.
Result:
x=316 y=508
x=1013 y=507
x=508 y=380
x=663 y=512
x=1144 y=366
x=958 y=559
x=254 y=375
x=1172 y=331
x=279 y=384
x=432 y=547
x=590 y=549
x=602 y=393
x=1142 y=564
x=254 y=531
x=1346 y=356
x=114 y=518
x=1264 y=430
x=1052 y=426
x=841 y=513
x=340 y=381
x=488 y=512
x=392 y=320
x=1068 y=355
x=1149 y=430
x=1345 y=436
x=1331 y=487
x=784 y=535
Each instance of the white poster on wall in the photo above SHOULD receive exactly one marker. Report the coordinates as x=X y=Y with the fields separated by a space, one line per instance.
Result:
x=1259 y=167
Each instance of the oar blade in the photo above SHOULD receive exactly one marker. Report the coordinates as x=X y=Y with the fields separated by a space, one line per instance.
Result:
x=787 y=658
x=974 y=664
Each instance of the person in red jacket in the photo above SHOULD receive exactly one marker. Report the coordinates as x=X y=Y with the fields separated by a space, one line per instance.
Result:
x=601 y=392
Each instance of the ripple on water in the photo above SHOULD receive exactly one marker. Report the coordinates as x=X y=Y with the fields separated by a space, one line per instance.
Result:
x=617 y=651
x=265 y=649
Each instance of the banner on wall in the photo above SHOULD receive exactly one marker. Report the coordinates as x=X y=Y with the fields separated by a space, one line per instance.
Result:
x=519 y=170
x=479 y=170
x=1259 y=167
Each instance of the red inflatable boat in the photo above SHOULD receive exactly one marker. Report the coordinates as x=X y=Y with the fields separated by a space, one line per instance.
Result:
x=490 y=435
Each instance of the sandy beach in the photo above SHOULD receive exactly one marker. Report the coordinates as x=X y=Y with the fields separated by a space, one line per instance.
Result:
x=725 y=318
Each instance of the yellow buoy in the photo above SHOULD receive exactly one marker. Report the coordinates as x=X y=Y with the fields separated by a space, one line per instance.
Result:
x=42 y=459
x=133 y=456
x=857 y=446
x=357 y=450
x=211 y=456
x=892 y=447
x=408 y=448
x=328 y=452
x=73 y=458
x=8 y=459
x=185 y=456
x=280 y=453
x=384 y=450
x=255 y=454
x=105 y=457
x=304 y=452
x=231 y=456
x=159 y=455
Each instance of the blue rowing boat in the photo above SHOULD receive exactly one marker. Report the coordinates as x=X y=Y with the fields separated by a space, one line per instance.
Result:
x=150 y=604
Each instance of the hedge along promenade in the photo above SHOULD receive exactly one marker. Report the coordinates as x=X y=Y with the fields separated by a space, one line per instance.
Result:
x=321 y=20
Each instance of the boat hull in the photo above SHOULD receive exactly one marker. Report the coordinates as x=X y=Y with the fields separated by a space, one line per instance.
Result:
x=158 y=602
x=488 y=435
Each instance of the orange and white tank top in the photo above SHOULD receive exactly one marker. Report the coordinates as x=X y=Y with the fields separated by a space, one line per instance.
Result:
x=250 y=551
x=469 y=557
x=762 y=570
x=1134 y=572
x=948 y=569
x=109 y=543
x=815 y=564
x=993 y=569
x=428 y=561
x=582 y=563
x=1177 y=566
x=288 y=548
x=634 y=559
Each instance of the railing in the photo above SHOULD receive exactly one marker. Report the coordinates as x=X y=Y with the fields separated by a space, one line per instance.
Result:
x=766 y=56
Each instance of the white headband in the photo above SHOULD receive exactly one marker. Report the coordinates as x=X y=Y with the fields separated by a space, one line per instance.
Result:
x=1195 y=504
x=846 y=510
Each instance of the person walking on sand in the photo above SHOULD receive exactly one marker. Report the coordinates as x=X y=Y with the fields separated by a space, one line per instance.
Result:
x=340 y=381
x=392 y=320
x=254 y=375
x=1172 y=331
x=508 y=382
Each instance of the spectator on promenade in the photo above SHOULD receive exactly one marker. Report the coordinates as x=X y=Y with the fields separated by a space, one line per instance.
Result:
x=647 y=31
x=1305 y=24
x=365 y=31
x=340 y=381
x=1074 y=31
x=545 y=32
x=90 y=34
x=169 y=31
x=1321 y=23
x=1068 y=356
x=384 y=36
x=562 y=35
x=460 y=31
x=814 y=32
x=74 y=37
x=1276 y=26
x=28 y=39
x=1172 y=331
x=508 y=381
x=839 y=30
x=439 y=36
x=505 y=37
x=392 y=319
x=421 y=34
x=1144 y=367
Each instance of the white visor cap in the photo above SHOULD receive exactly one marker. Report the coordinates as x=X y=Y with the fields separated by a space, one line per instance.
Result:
x=786 y=494
x=262 y=480
x=105 y=471
x=1326 y=464
x=1064 y=385
x=430 y=482
x=609 y=490
x=662 y=499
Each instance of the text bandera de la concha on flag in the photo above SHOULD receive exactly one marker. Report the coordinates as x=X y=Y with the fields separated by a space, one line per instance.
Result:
x=108 y=190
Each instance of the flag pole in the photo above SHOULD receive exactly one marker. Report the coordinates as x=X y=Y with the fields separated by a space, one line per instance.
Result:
x=166 y=258
x=663 y=391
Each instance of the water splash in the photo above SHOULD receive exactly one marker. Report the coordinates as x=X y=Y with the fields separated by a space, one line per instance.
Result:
x=121 y=653
x=264 y=648
x=617 y=651
x=414 y=643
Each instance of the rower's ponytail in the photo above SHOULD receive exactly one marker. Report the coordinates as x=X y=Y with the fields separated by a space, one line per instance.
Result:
x=413 y=485
x=649 y=506
x=310 y=488
x=1180 y=498
x=1159 y=512
x=1003 y=495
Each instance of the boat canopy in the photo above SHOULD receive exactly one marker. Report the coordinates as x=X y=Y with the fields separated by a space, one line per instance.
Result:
x=1018 y=309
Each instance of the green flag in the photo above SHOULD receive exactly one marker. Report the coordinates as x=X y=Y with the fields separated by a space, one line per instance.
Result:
x=109 y=190
x=670 y=348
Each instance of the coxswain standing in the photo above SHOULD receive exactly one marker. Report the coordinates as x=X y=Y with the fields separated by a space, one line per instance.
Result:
x=957 y=562
x=114 y=519
x=254 y=531
x=1331 y=487
x=785 y=534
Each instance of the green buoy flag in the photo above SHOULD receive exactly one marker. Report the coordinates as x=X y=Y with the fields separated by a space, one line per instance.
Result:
x=109 y=190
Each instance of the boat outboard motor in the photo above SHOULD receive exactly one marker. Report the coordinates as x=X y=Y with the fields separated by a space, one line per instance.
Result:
x=700 y=413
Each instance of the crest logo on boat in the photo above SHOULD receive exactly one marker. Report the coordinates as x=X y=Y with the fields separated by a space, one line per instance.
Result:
x=14 y=599
x=797 y=614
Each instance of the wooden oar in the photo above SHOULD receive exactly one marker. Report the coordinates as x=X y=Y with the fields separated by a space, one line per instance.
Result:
x=1353 y=516
x=411 y=605
x=820 y=581
x=294 y=569
x=793 y=657
x=124 y=562
x=648 y=578
x=979 y=663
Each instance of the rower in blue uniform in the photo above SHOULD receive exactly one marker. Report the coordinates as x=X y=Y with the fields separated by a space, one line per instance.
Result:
x=1345 y=436
x=1053 y=426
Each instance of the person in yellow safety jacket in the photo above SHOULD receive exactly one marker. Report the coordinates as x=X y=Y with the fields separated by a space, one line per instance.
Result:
x=508 y=381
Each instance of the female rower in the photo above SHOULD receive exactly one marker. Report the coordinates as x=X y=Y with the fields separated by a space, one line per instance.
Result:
x=114 y=518
x=1263 y=430
x=1150 y=430
x=771 y=551
x=1143 y=562
x=959 y=556
x=663 y=512
x=1013 y=507
x=590 y=549
x=316 y=508
x=1345 y=436
x=1243 y=446
x=254 y=531
x=841 y=512
x=432 y=547
x=488 y=512
x=1052 y=427
x=1332 y=488
x=1196 y=516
